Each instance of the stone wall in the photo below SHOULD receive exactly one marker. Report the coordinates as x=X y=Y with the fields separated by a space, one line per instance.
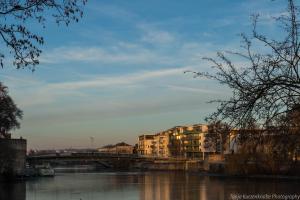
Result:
x=169 y=165
x=12 y=156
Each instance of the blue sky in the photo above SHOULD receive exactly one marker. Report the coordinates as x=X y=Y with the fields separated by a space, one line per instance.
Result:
x=118 y=73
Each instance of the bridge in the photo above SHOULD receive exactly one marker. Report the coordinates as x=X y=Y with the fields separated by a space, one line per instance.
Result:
x=115 y=161
x=102 y=160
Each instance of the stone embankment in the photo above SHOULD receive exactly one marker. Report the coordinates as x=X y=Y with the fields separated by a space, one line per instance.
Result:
x=207 y=165
x=12 y=157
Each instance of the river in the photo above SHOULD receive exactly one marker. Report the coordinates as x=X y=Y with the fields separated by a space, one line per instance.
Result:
x=146 y=186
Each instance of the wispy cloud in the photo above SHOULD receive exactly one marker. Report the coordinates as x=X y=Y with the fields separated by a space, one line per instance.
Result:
x=154 y=35
x=116 y=54
x=196 y=90
x=112 y=11
x=41 y=92
x=137 y=53
x=118 y=80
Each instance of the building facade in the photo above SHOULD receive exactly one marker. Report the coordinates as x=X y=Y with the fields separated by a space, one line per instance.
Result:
x=145 y=143
x=180 y=142
x=190 y=141
x=160 y=145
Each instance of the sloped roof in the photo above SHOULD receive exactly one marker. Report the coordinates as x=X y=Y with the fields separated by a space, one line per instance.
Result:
x=122 y=144
x=115 y=145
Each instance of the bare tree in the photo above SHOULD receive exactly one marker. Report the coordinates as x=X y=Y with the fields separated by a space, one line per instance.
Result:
x=264 y=106
x=268 y=86
x=16 y=17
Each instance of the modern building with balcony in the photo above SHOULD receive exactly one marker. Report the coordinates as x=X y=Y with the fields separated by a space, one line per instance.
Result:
x=191 y=141
x=160 y=145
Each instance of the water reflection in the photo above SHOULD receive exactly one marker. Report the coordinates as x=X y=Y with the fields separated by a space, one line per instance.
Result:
x=181 y=186
x=13 y=191
x=142 y=186
x=170 y=186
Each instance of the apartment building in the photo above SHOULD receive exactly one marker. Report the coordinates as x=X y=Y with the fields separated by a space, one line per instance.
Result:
x=180 y=141
x=160 y=145
x=145 y=145
x=190 y=141
x=154 y=145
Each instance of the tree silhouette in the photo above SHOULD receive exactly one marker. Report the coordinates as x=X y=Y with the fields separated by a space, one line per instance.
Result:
x=16 y=16
x=10 y=114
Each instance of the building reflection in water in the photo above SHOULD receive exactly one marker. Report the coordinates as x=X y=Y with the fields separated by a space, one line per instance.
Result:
x=170 y=186
x=181 y=186
x=13 y=191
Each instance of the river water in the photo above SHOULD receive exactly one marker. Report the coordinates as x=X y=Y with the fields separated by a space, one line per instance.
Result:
x=147 y=186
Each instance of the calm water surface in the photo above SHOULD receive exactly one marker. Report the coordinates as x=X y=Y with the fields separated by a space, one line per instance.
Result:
x=142 y=186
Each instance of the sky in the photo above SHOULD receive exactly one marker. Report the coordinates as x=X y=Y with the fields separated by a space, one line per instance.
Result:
x=119 y=72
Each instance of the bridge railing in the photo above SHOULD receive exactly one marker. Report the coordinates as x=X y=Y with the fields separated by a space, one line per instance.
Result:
x=85 y=154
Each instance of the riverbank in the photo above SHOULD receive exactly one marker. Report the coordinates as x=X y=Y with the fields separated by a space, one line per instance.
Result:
x=206 y=168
